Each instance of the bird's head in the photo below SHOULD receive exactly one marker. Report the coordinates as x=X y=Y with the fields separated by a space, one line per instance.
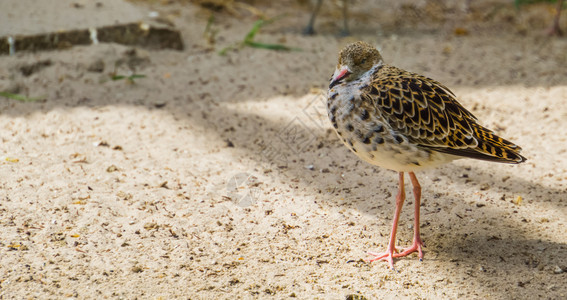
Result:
x=354 y=60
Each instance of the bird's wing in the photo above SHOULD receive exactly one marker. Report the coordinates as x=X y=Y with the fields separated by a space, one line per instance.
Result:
x=427 y=113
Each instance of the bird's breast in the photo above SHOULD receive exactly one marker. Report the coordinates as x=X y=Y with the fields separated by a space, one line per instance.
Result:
x=364 y=130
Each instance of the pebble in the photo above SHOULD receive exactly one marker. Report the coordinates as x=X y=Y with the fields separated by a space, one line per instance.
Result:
x=558 y=270
x=96 y=66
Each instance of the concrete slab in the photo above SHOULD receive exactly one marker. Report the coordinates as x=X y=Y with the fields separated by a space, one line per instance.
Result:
x=30 y=17
x=28 y=25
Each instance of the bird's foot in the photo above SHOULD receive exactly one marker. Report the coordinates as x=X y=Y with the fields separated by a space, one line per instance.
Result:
x=554 y=31
x=309 y=30
x=387 y=256
x=344 y=33
x=415 y=247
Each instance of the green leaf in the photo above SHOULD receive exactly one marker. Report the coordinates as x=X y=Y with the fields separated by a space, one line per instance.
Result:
x=209 y=23
x=117 y=77
x=252 y=33
x=279 y=47
x=249 y=39
x=19 y=97
x=130 y=77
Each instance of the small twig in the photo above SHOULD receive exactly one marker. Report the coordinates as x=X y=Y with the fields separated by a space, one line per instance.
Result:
x=129 y=78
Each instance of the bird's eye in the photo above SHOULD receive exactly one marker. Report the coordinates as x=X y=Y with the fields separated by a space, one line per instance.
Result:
x=363 y=61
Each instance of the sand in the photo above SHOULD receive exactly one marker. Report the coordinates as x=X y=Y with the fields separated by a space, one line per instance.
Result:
x=218 y=177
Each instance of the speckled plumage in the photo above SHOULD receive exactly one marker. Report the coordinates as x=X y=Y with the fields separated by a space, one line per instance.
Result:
x=416 y=115
x=405 y=122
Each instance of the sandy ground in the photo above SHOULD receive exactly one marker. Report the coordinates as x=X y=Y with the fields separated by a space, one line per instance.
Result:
x=218 y=177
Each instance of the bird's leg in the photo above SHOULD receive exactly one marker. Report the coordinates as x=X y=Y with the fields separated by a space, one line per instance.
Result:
x=389 y=254
x=417 y=242
x=345 y=31
x=309 y=29
x=554 y=29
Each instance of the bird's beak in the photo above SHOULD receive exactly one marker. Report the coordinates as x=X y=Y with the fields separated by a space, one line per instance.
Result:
x=339 y=75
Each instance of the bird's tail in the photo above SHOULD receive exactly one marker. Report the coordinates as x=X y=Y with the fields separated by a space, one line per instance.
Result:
x=494 y=148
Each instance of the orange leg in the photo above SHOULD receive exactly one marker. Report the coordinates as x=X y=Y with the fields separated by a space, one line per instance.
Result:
x=389 y=254
x=417 y=244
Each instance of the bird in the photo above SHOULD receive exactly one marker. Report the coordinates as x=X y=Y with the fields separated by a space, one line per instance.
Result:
x=309 y=29
x=404 y=122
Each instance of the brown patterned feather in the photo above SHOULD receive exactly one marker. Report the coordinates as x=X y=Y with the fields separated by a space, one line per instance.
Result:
x=427 y=113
